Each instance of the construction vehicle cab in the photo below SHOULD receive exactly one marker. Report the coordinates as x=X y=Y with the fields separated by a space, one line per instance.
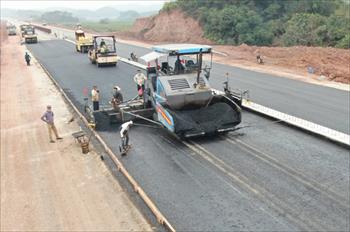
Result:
x=11 y=30
x=22 y=27
x=83 y=43
x=177 y=87
x=103 y=51
x=28 y=33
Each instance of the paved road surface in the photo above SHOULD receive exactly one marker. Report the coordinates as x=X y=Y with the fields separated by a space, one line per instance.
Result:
x=322 y=105
x=268 y=177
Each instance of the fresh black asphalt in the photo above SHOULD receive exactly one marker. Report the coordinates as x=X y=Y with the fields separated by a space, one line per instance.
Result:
x=322 y=105
x=267 y=177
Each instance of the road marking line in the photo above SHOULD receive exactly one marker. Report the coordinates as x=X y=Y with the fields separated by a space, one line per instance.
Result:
x=71 y=41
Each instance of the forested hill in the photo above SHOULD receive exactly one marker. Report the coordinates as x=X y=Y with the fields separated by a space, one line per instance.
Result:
x=271 y=22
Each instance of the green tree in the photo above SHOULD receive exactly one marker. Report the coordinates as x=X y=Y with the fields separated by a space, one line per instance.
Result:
x=58 y=17
x=344 y=42
x=236 y=25
x=322 y=7
x=304 y=29
x=267 y=22
x=337 y=28
x=104 y=21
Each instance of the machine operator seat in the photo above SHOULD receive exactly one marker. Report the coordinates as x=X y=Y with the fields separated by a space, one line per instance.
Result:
x=179 y=68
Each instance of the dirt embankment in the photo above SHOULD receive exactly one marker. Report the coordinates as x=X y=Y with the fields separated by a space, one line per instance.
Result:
x=51 y=186
x=316 y=63
x=172 y=26
x=3 y=32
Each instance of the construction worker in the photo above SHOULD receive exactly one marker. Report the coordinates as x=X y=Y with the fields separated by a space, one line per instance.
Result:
x=95 y=97
x=117 y=97
x=140 y=79
x=133 y=57
x=27 y=58
x=48 y=117
x=102 y=43
x=179 y=68
x=259 y=59
x=124 y=134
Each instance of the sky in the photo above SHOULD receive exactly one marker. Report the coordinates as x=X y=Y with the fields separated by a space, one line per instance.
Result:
x=145 y=5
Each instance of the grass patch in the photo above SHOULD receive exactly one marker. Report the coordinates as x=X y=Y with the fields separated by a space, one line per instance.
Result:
x=102 y=26
x=107 y=26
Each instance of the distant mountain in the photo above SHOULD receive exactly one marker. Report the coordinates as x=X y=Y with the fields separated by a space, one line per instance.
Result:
x=107 y=12
x=129 y=15
x=83 y=15
x=110 y=13
x=21 y=14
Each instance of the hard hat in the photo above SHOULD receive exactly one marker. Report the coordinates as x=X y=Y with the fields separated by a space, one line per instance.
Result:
x=117 y=87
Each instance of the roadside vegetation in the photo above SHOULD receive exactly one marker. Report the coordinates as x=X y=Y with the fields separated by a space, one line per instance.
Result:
x=107 y=25
x=104 y=25
x=58 y=16
x=271 y=22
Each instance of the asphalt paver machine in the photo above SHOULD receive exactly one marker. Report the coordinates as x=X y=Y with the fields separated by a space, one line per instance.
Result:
x=178 y=95
x=179 y=91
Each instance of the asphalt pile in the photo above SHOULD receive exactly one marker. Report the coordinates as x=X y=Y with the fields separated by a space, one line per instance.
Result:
x=208 y=119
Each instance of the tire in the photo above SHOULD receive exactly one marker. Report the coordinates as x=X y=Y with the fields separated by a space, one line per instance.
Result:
x=98 y=65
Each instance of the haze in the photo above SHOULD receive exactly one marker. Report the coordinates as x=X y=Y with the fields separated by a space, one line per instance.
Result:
x=145 y=5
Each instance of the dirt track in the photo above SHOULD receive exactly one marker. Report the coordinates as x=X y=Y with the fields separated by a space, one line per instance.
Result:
x=44 y=186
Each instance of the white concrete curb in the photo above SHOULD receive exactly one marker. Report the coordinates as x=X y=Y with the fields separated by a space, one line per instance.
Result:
x=136 y=64
x=323 y=131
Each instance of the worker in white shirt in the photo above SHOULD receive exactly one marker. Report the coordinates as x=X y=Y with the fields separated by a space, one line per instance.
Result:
x=140 y=79
x=124 y=134
x=95 y=97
